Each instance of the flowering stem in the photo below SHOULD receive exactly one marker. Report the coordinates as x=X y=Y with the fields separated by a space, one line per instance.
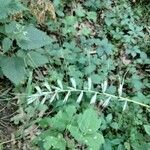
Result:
x=91 y=91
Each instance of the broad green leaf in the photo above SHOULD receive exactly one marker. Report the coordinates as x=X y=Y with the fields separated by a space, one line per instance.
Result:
x=109 y=118
x=63 y=118
x=89 y=122
x=59 y=121
x=116 y=141
x=90 y=68
x=70 y=110
x=13 y=68
x=6 y=44
x=55 y=142
x=14 y=30
x=75 y=133
x=147 y=129
x=96 y=79
x=80 y=11
x=33 y=39
x=36 y=59
x=10 y=7
x=70 y=20
x=94 y=141
x=114 y=125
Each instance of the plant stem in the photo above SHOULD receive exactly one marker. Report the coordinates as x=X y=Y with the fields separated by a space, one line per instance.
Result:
x=90 y=91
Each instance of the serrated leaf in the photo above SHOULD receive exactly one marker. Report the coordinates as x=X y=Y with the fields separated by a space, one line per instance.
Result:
x=89 y=121
x=13 y=68
x=63 y=118
x=55 y=142
x=105 y=47
x=59 y=121
x=75 y=133
x=94 y=141
x=10 y=7
x=96 y=79
x=70 y=110
x=34 y=39
x=35 y=59
x=80 y=97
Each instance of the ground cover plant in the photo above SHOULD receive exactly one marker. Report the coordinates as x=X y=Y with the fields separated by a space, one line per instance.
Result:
x=74 y=74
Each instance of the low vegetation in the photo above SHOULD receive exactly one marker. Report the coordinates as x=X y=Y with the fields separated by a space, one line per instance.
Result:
x=74 y=74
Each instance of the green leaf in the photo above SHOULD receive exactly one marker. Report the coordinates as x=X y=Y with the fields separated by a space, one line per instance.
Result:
x=89 y=69
x=55 y=142
x=13 y=68
x=10 y=7
x=96 y=79
x=75 y=133
x=105 y=46
x=6 y=44
x=86 y=31
x=36 y=59
x=94 y=141
x=114 y=125
x=70 y=110
x=109 y=118
x=63 y=118
x=33 y=39
x=92 y=16
x=89 y=122
x=147 y=129
x=80 y=11
x=15 y=30
x=70 y=20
